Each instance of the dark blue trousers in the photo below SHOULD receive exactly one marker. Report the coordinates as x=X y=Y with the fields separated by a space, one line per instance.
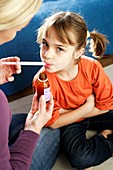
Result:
x=81 y=152
x=47 y=147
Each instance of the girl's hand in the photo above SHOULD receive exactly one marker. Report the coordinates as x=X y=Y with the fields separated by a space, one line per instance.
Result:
x=7 y=71
x=62 y=111
x=37 y=119
x=90 y=102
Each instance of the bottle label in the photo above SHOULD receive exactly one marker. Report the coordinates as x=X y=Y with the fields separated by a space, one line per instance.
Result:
x=47 y=94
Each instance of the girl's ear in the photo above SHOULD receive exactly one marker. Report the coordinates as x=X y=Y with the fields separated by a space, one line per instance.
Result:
x=79 y=53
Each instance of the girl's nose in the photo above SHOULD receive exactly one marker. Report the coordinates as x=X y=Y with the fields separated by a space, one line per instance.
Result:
x=48 y=55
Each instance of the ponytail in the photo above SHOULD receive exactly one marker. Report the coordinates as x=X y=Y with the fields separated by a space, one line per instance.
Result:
x=98 y=44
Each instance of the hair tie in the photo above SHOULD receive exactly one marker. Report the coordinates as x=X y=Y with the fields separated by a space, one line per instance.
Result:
x=88 y=34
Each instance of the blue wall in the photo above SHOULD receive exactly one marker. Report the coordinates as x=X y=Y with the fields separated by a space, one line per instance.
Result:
x=97 y=14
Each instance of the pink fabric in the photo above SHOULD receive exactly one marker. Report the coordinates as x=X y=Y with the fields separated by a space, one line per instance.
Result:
x=20 y=154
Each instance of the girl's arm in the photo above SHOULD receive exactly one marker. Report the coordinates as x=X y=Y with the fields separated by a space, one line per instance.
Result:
x=67 y=117
x=95 y=112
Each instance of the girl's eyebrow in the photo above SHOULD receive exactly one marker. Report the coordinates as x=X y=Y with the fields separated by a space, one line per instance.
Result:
x=59 y=45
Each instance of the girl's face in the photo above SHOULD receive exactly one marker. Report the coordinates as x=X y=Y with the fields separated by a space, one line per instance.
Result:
x=9 y=34
x=58 y=57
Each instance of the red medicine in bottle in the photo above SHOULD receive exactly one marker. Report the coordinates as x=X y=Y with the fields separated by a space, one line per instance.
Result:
x=41 y=85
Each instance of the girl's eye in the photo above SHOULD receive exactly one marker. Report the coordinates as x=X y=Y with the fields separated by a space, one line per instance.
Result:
x=44 y=43
x=59 y=49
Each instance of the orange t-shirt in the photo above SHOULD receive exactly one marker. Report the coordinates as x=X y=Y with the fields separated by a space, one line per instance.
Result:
x=91 y=78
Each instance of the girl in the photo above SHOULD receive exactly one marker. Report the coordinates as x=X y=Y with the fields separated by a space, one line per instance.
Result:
x=82 y=92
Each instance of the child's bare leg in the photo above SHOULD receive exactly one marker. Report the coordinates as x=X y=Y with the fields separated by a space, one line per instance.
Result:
x=106 y=132
x=89 y=168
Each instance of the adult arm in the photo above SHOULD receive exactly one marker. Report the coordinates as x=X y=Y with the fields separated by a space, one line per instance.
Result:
x=22 y=151
x=20 y=154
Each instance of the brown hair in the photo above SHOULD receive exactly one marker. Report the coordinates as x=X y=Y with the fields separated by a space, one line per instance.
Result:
x=65 y=23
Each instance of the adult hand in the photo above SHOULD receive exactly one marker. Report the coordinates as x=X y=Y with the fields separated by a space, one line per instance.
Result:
x=7 y=71
x=39 y=114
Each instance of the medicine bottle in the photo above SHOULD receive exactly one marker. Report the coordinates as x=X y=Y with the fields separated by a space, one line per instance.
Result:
x=41 y=85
